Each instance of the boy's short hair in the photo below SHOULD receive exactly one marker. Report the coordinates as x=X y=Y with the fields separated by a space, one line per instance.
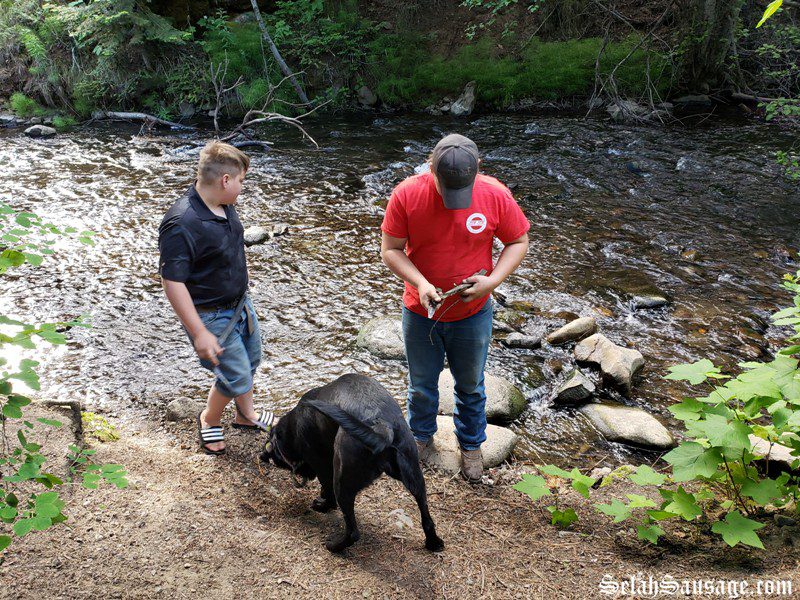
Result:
x=218 y=159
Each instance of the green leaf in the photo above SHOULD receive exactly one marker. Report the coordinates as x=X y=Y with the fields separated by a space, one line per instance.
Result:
x=688 y=410
x=562 y=518
x=28 y=470
x=5 y=542
x=581 y=483
x=8 y=512
x=616 y=509
x=683 y=504
x=533 y=486
x=12 y=411
x=791 y=350
x=47 y=510
x=22 y=527
x=50 y=422
x=638 y=501
x=650 y=533
x=33 y=259
x=690 y=460
x=694 y=373
x=553 y=471
x=720 y=432
x=46 y=498
x=762 y=492
x=737 y=529
x=90 y=480
x=40 y=523
x=647 y=476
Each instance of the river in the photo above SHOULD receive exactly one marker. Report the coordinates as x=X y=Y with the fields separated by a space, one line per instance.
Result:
x=700 y=214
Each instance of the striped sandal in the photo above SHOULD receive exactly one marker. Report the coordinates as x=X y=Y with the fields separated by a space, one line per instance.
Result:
x=209 y=435
x=263 y=421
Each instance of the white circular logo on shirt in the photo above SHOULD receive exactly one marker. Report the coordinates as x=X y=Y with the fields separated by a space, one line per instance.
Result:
x=476 y=223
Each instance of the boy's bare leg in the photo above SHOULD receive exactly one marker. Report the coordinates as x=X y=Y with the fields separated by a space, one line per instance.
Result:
x=212 y=415
x=246 y=414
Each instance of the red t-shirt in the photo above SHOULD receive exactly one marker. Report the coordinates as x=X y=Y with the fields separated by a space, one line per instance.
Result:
x=447 y=245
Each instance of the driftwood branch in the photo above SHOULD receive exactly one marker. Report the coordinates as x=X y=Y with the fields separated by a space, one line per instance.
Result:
x=218 y=74
x=278 y=58
x=147 y=119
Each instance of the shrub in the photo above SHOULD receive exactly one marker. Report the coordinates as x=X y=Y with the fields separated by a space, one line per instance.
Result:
x=23 y=106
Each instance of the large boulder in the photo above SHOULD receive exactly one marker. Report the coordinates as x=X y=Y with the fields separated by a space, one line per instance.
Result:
x=366 y=97
x=617 y=364
x=383 y=336
x=629 y=425
x=778 y=454
x=40 y=131
x=466 y=101
x=576 y=389
x=573 y=331
x=445 y=453
x=504 y=402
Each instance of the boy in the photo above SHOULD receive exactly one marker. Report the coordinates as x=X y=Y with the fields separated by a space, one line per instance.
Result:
x=204 y=274
x=437 y=233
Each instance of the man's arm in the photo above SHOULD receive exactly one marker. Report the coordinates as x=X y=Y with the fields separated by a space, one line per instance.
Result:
x=510 y=259
x=205 y=342
x=394 y=257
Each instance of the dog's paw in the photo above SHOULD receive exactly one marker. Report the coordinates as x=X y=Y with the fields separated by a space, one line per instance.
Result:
x=323 y=505
x=338 y=543
x=434 y=544
x=264 y=456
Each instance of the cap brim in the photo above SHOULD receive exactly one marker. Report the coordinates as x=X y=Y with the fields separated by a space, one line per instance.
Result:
x=456 y=199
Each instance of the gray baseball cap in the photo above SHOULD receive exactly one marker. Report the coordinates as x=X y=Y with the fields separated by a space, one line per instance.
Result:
x=454 y=163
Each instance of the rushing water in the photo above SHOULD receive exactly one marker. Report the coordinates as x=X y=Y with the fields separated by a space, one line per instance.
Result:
x=612 y=209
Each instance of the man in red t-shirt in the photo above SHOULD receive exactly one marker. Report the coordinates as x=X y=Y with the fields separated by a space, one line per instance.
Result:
x=437 y=233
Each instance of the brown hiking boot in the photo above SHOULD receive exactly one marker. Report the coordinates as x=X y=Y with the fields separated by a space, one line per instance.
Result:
x=424 y=448
x=472 y=465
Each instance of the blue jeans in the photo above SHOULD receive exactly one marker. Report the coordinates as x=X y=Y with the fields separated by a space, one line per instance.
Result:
x=242 y=355
x=465 y=343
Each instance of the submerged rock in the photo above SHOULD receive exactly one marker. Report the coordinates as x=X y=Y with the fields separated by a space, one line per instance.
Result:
x=617 y=364
x=573 y=331
x=383 y=336
x=445 y=453
x=504 y=402
x=466 y=102
x=258 y=234
x=620 y=423
x=40 y=131
x=641 y=301
x=519 y=340
x=576 y=389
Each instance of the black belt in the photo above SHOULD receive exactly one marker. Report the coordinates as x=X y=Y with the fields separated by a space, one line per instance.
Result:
x=214 y=307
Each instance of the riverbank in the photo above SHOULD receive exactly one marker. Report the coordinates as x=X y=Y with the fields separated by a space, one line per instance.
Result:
x=191 y=525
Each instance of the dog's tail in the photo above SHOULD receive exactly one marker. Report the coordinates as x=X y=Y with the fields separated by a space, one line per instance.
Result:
x=375 y=436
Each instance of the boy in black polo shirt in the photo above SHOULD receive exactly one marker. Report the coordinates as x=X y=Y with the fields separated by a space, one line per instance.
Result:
x=204 y=274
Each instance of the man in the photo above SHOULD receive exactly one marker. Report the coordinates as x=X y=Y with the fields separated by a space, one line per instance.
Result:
x=438 y=233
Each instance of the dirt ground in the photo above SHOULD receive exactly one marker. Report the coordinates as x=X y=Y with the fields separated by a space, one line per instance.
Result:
x=192 y=526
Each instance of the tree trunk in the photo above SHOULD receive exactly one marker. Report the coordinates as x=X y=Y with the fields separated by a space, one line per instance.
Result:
x=711 y=41
x=278 y=58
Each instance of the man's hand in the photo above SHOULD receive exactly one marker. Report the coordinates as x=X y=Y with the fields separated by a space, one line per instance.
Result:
x=207 y=347
x=428 y=294
x=481 y=286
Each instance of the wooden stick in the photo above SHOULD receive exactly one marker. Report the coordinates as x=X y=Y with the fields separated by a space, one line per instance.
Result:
x=137 y=116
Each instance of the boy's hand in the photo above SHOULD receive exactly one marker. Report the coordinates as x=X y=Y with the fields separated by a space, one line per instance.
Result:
x=207 y=347
x=481 y=286
x=428 y=294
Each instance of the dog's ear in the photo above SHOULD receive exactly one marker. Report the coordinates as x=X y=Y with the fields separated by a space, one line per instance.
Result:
x=375 y=437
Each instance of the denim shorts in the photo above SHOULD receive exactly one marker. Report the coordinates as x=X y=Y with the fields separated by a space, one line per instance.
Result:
x=242 y=350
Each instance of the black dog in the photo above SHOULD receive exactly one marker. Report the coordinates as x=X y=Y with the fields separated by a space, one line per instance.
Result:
x=346 y=434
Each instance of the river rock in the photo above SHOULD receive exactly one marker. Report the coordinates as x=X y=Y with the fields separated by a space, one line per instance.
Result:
x=258 y=234
x=40 y=131
x=617 y=364
x=186 y=110
x=182 y=409
x=504 y=402
x=519 y=340
x=573 y=331
x=620 y=423
x=383 y=336
x=576 y=389
x=624 y=111
x=8 y=120
x=641 y=301
x=366 y=97
x=445 y=453
x=466 y=102
x=693 y=102
x=778 y=454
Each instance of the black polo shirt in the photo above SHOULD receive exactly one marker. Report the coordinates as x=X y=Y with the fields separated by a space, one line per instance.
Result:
x=203 y=250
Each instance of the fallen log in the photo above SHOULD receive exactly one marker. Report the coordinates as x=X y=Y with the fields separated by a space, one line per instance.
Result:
x=137 y=116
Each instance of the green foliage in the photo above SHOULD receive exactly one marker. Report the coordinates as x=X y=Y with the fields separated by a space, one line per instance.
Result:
x=62 y=122
x=772 y=7
x=23 y=106
x=29 y=500
x=790 y=161
x=717 y=462
x=405 y=73
x=98 y=427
